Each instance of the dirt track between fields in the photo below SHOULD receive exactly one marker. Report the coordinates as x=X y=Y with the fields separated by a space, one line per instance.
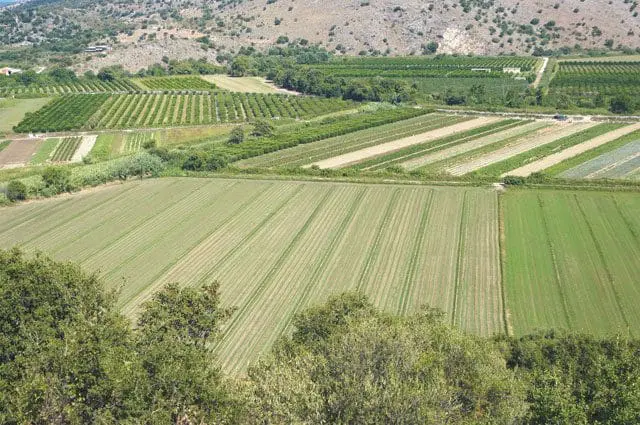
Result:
x=385 y=148
x=558 y=157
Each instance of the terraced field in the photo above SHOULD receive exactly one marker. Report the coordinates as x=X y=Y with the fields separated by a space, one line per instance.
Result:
x=277 y=247
x=572 y=261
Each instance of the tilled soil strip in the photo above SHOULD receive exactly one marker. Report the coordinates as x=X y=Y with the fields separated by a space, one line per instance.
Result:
x=385 y=148
x=558 y=157
x=85 y=147
x=531 y=142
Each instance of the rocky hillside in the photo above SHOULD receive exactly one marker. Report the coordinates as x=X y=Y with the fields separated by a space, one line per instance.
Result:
x=142 y=32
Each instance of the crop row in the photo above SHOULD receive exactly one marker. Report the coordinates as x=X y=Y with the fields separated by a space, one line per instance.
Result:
x=412 y=73
x=64 y=113
x=65 y=149
x=157 y=110
x=495 y=63
x=135 y=141
x=80 y=86
x=313 y=132
x=608 y=165
x=176 y=83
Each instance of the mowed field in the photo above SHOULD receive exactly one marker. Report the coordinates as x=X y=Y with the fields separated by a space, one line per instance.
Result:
x=572 y=260
x=278 y=247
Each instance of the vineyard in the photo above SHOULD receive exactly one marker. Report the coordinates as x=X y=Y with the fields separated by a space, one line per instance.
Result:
x=596 y=78
x=80 y=86
x=65 y=149
x=160 y=110
x=174 y=83
x=278 y=247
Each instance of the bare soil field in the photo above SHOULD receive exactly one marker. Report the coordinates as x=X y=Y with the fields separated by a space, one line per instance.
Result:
x=557 y=158
x=19 y=152
x=385 y=148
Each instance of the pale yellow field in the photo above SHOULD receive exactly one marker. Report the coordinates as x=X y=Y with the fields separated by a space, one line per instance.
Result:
x=12 y=110
x=241 y=84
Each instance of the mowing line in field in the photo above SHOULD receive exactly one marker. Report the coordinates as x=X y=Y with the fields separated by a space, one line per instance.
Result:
x=459 y=260
x=373 y=151
x=158 y=279
x=572 y=151
x=628 y=224
x=508 y=329
x=261 y=286
x=155 y=239
x=375 y=246
x=416 y=251
x=554 y=258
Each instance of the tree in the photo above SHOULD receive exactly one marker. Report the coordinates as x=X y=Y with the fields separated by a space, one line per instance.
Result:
x=621 y=104
x=430 y=48
x=346 y=362
x=16 y=191
x=240 y=66
x=57 y=179
x=68 y=356
x=236 y=136
x=262 y=128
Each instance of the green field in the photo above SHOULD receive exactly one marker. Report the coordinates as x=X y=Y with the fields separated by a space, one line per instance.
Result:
x=278 y=247
x=12 y=111
x=572 y=261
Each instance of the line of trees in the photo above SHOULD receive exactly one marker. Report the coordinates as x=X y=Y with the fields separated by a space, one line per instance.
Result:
x=67 y=356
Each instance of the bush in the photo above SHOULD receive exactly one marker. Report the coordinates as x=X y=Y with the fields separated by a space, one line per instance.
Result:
x=262 y=128
x=237 y=136
x=57 y=179
x=513 y=180
x=16 y=191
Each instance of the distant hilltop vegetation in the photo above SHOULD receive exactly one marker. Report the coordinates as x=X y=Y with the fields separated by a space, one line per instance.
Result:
x=142 y=32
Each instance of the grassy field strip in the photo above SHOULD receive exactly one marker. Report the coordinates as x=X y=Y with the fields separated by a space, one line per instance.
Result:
x=520 y=146
x=69 y=238
x=558 y=157
x=231 y=234
x=587 y=285
x=123 y=258
x=535 y=294
x=354 y=157
x=117 y=249
x=305 y=153
x=42 y=222
x=618 y=250
x=479 y=306
x=436 y=272
x=603 y=163
x=421 y=150
x=86 y=144
x=174 y=244
x=442 y=155
x=529 y=157
x=45 y=151
x=283 y=290
x=12 y=111
x=394 y=254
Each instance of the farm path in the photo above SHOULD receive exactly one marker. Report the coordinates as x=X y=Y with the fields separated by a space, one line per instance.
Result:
x=545 y=62
x=353 y=157
x=558 y=157
x=85 y=147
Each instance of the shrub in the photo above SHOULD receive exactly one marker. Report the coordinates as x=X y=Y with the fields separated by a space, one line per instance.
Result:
x=513 y=180
x=237 y=136
x=57 y=179
x=16 y=191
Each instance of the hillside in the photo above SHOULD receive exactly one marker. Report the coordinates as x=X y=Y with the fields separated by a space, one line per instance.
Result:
x=142 y=33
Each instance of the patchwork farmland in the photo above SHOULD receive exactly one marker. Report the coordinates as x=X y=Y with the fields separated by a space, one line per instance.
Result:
x=570 y=259
x=277 y=247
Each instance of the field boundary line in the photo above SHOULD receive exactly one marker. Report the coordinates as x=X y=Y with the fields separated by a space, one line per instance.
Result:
x=607 y=270
x=156 y=280
x=373 y=249
x=627 y=223
x=459 y=257
x=502 y=240
x=554 y=259
x=417 y=251
x=262 y=285
x=251 y=234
